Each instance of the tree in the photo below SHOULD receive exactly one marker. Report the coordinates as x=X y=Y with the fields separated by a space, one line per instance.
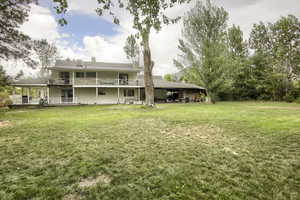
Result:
x=170 y=77
x=204 y=48
x=147 y=15
x=238 y=74
x=279 y=42
x=132 y=50
x=47 y=54
x=4 y=78
x=13 y=43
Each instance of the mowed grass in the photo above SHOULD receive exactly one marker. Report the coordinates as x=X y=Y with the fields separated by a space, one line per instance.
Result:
x=177 y=151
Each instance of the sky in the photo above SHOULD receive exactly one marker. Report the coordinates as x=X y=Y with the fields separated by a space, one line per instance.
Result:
x=87 y=34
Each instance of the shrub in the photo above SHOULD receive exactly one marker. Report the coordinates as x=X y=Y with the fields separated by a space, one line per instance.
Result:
x=289 y=98
x=297 y=100
x=4 y=99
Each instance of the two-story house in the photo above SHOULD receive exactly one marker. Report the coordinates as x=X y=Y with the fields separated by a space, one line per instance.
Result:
x=81 y=82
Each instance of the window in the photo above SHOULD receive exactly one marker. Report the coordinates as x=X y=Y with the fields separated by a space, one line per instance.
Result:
x=101 y=92
x=91 y=74
x=129 y=93
x=79 y=74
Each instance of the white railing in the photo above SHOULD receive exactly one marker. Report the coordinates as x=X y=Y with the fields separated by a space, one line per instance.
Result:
x=94 y=81
x=18 y=99
x=60 y=81
x=62 y=100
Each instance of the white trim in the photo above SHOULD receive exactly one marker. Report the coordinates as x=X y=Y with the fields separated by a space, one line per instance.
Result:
x=107 y=86
x=20 y=85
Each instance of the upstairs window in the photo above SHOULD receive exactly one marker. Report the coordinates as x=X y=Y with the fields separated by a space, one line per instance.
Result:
x=129 y=93
x=79 y=74
x=91 y=74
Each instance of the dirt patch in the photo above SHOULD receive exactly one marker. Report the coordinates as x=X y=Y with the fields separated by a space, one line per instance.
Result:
x=71 y=197
x=5 y=124
x=278 y=107
x=90 y=182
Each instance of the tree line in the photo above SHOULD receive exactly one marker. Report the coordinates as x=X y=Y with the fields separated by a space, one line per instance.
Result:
x=213 y=55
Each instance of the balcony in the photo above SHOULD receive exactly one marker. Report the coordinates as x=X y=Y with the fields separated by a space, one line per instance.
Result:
x=94 y=81
x=60 y=82
x=106 y=82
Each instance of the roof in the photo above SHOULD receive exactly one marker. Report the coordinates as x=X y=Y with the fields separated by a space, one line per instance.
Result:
x=38 y=81
x=159 y=82
x=80 y=65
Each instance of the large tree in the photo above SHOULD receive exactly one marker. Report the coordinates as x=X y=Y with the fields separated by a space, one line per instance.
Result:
x=13 y=43
x=279 y=42
x=203 y=48
x=47 y=54
x=148 y=15
x=132 y=50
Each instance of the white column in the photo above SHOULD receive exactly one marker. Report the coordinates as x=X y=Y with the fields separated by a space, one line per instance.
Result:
x=28 y=94
x=97 y=80
x=118 y=78
x=96 y=95
x=118 y=95
x=48 y=95
x=139 y=94
x=73 y=78
x=74 y=97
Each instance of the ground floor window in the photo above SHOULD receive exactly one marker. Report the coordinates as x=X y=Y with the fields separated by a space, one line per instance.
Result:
x=101 y=92
x=129 y=93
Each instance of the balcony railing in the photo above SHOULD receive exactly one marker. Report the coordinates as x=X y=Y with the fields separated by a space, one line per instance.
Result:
x=59 y=82
x=92 y=81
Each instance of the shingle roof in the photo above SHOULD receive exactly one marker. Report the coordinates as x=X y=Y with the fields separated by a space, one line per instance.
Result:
x=159 y=82
x=32 y=81
x=93 y=66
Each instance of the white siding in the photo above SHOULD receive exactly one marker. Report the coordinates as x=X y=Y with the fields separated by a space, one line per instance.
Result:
x=86 y=95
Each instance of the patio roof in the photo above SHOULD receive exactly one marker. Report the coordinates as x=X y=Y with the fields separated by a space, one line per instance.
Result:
x=80 y=65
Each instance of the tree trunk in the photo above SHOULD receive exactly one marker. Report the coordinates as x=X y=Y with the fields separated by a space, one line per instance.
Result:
x=148 y=66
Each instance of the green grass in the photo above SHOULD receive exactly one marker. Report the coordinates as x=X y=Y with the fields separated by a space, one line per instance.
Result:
x=177 y=151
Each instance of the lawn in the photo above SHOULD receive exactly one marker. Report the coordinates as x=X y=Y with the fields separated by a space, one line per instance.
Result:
x=176 y=151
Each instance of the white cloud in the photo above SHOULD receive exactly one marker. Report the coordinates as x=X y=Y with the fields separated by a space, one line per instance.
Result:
x=164 y=44
x=41 y=24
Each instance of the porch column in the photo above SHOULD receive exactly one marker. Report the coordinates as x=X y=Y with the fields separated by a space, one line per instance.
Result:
x=139 y=94
x=74 y=97
x=73 y=78
x=118 y=95
x=48 y=95
x=97 y=79
x=28 y=95
x=96 y=95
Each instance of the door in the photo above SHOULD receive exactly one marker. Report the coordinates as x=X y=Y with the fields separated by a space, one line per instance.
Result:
x=65 y=77
x=67 y=95
x=123 y=79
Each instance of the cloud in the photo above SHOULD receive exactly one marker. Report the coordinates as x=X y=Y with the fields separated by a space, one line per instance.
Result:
x=41 y=24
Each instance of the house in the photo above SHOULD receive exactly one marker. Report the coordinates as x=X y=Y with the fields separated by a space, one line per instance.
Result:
x=81 y=82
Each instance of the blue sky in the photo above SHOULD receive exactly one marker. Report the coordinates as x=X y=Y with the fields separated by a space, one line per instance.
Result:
x=87 y=34
x=81 y=24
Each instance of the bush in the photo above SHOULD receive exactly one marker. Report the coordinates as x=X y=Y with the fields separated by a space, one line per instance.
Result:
x=297 y=100
x=289 y=98
x=4 y=99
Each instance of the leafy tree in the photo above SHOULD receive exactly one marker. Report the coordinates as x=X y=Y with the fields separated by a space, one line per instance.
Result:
x=147 y=15
x=204 y=49
x=169 y=77
x=279 y=42
x=132 y=50
x=4 y=78
x=13 y=43
x=47 y=54
x=238 y=75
